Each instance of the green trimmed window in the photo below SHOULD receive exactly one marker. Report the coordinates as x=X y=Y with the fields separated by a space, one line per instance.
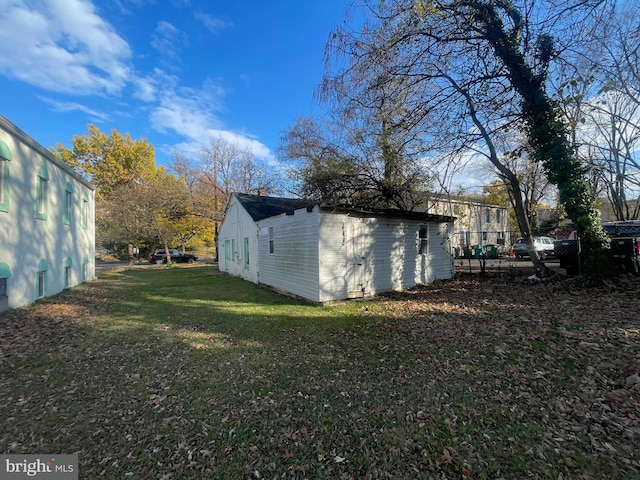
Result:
x=85 y=268
x=67 y=272
x=5 y=273
x=41 y=279
x=42 y=191
x=68 y=204
x=84 y=212
x=5 y=161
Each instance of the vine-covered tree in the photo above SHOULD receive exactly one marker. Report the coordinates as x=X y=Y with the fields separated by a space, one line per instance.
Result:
x=471 y=64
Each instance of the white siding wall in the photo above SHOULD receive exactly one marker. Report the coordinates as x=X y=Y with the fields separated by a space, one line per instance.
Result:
x=333 y=245
x=28 y=243
x=232 y=257
x=293 y=265
x=324 y=256
x=437 y=264
x=387 y=249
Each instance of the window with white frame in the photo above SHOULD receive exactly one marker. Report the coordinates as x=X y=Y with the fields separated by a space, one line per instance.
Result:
x=423 y=239
x=271 y=240
x=487 y=215
x=498 y=216
x=246 y=252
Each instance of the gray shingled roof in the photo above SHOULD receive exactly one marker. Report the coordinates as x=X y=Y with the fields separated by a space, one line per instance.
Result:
x=261 y=207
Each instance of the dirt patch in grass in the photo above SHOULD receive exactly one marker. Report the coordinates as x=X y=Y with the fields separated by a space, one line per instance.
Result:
x=462 y=379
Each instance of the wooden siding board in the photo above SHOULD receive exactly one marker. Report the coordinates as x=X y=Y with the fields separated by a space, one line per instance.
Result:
x=333 y=257
x=293 y=267
x=390 y=250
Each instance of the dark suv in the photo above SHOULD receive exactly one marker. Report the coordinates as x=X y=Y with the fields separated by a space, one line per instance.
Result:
x=176 y=256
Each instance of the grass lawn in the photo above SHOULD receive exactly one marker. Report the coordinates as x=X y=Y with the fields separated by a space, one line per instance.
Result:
x=185 y=373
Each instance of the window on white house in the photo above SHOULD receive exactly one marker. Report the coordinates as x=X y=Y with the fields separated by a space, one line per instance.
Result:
x=498 y=216
x=4 y=184
x=271 y=246
x=484 y=237
x=3 y=291
x=5 y=273
x=67 y=277
x=487 y=215
x=84 y=212
x=68 y=204
x=41 y=279
x=246 y=252
x=423 y=239
x=85 y=268
x=67 y=272
x=5 y=161
x=42 y=181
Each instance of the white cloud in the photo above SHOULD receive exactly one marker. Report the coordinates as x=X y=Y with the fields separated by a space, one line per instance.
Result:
x=62 y=47
x=73 y=106
x=168 y=39
x=193 y=114
x=213 y=24
x=145 y=89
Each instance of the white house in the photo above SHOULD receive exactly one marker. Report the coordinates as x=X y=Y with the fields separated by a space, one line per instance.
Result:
x=324 y=254
x=47 y=227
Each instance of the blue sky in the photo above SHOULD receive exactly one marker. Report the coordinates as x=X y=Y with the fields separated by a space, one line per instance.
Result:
x=176 y=72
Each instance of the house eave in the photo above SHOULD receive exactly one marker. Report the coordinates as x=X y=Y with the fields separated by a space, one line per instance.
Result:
x=391 y=213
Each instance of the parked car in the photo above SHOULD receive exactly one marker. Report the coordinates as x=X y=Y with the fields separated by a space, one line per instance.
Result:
x=543 y=245
x=176 y=256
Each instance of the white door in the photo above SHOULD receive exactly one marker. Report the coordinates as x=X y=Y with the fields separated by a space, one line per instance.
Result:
x=355 y=258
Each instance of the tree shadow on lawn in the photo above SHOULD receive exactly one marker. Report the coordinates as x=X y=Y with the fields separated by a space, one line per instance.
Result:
x=172 y=360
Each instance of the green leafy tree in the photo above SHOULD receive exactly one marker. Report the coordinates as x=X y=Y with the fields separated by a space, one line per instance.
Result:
x=118 y=166
x=109 y=161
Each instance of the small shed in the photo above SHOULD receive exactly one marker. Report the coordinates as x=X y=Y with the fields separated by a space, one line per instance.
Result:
x=327 y=253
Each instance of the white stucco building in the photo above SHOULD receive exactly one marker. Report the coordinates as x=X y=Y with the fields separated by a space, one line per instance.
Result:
x=47 y=227
x=325 y=254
